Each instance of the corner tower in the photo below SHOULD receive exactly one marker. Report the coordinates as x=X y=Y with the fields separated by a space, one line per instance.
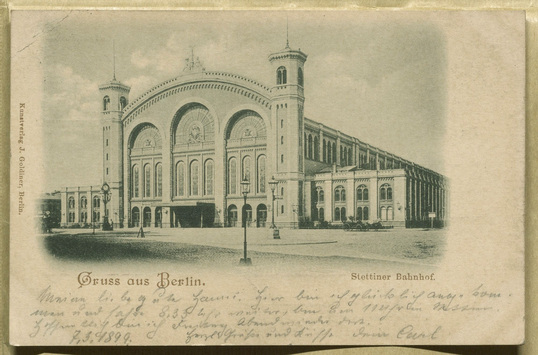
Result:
x=288 y=131
x=114 y=99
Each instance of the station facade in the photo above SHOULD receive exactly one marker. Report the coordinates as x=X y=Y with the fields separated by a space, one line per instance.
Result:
x=176 y=156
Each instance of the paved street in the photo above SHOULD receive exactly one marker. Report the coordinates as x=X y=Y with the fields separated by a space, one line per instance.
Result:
x=313 y=249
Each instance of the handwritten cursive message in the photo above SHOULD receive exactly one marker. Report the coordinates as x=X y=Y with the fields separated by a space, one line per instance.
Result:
x=196 y=315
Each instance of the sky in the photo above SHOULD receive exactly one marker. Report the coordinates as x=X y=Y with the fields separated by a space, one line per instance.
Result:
x=378 y=77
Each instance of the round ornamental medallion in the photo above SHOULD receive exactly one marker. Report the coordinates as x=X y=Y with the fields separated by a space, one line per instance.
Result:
x=195 y=134
x=249 y=132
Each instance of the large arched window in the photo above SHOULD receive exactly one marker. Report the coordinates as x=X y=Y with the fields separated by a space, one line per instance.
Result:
x=300 y=77
x=158 y=180
x=281 y=76
x=372 y=162
x=261 y=174
x=145 y=146
x=232 y=176
x=83 y=202
x=365 y=214
x=245 y=169
x=309 y=146
x=106 y=103
x=343 y=216
x=316 y=148
x=337 y=214
x=180 y=176
x=96 y=202
x=321 y=195
x=333 y=159
x=362 y=193
x=193 y=124
x=246 y=139
x=339 y=194
x=208 y=177
x=147 y=180
x=194 y=170
x=71 y=202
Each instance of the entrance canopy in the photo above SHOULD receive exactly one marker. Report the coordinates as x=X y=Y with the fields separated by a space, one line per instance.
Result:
x=186 y=203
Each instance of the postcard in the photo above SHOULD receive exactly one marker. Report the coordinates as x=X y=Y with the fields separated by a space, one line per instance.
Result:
x=267 y=177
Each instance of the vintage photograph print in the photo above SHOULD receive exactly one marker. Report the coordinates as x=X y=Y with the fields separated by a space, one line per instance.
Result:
x=267 y=177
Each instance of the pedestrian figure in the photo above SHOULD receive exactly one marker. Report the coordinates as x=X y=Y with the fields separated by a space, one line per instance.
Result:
x=141 y=232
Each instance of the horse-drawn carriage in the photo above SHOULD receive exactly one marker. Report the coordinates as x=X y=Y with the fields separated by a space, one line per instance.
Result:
x=362 y=226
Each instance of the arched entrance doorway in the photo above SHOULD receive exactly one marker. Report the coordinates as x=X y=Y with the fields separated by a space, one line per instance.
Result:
x=261 y=215
x=158 y=217
x=247 y=215
x=232 y=216
x=147 y=217
x=135 y=217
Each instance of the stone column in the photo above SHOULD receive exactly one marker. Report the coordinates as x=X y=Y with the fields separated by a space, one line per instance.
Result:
x=373 y=196
x=307 y=191
x=328 y=205
x=350 y=197
x=399 y=197
x=77 y=205
x=63 y=209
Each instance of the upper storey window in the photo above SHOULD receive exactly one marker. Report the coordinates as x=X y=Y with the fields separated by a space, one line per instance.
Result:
x=106 y=103
x=123 y=102
x=281 y=76
x=300 y=78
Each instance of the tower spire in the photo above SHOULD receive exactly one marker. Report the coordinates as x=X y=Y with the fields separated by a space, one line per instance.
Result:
x=287 y=33
x=114 y=60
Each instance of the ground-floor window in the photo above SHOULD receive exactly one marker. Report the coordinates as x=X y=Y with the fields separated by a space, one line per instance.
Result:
x=261 y=215
x=386 y=213
x=147 y=217
x=321 y=214
x=135 y=217
x=232 y=216
x=362 y=213
x=247 y=215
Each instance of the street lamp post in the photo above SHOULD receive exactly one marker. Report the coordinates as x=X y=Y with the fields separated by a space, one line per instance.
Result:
x=276 y=233
x=105 y=191
x=245 y=189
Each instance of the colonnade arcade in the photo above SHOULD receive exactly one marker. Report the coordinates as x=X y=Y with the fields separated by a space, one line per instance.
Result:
x=190 y=194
